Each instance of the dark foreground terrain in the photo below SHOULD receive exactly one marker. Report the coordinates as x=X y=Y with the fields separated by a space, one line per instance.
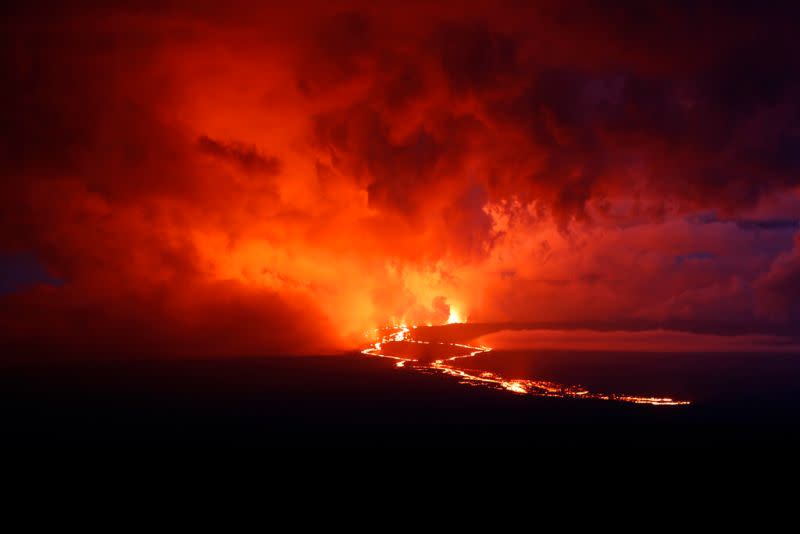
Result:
x=350 y=400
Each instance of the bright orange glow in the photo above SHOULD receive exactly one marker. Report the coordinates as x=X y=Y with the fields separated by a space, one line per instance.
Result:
x=454 y=317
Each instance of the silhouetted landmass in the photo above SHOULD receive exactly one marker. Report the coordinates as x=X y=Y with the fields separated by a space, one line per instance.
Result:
x=344 y=401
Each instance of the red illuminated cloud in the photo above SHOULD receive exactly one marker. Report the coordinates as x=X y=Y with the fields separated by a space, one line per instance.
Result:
x=245 y=179
x=778 y=289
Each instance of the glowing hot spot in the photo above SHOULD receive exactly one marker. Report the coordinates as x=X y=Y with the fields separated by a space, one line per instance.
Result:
x=454 y=317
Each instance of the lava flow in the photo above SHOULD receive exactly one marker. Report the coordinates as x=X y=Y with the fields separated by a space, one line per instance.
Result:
x=401 y=335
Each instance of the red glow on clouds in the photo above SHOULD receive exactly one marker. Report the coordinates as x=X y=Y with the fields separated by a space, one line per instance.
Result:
x=247 y=180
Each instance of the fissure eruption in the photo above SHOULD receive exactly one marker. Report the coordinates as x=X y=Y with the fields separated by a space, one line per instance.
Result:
x=393 y=343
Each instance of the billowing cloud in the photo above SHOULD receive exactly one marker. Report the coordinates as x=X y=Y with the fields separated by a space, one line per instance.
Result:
x=241 y=179
x=779 y=288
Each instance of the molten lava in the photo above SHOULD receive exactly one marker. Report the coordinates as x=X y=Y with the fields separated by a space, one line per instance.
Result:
x=390 y=339
x=454 y=317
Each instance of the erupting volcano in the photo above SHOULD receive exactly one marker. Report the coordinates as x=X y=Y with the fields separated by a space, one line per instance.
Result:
x=522 y=196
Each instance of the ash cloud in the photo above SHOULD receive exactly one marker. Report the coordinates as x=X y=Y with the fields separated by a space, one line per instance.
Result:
x=295 y=175
x=246 y=157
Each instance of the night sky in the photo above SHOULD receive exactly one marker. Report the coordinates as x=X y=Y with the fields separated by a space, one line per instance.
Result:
x=220 y=179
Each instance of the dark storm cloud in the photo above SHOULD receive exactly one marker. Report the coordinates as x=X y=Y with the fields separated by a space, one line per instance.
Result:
x=770 y=224
x=336 y=51
x=402 y=88
x=359 y=141
x=701 y=100
x=473 y=57
x=245 y=156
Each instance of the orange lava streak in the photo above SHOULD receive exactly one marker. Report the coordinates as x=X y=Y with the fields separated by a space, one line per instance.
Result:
x=539 y=388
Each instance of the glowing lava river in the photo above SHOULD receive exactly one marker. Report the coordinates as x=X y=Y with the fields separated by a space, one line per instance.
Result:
x=399 y=344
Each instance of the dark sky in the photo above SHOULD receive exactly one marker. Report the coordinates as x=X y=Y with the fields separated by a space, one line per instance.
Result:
x=239 y=177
